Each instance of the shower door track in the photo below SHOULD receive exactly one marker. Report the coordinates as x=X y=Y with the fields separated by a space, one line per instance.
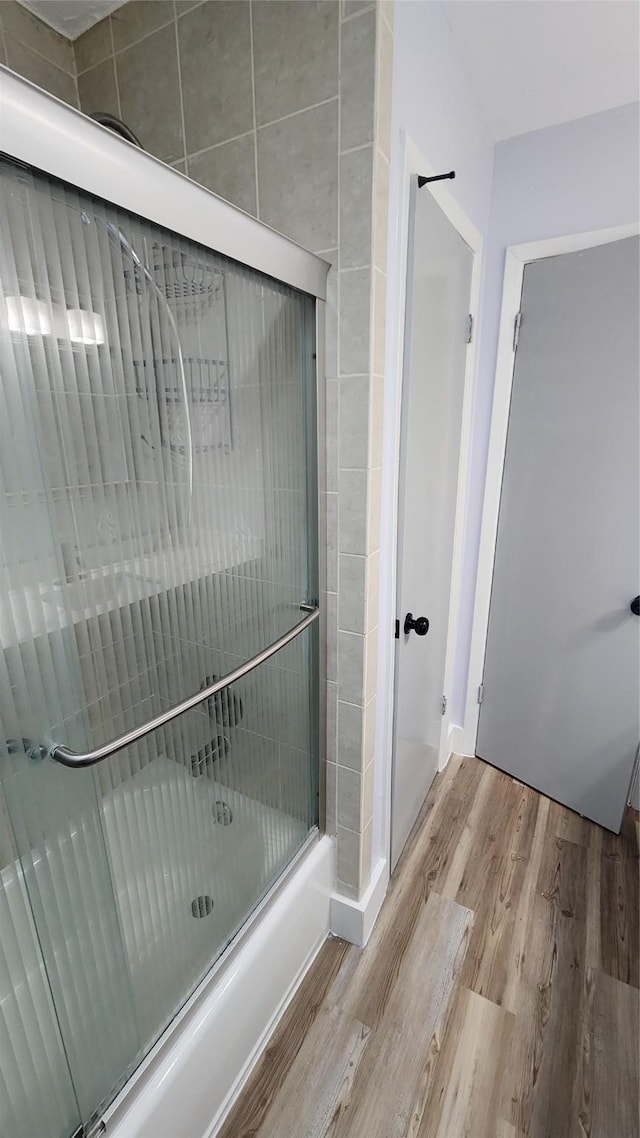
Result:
x=69 y=758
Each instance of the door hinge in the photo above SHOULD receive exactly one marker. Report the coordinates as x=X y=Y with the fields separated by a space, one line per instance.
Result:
x=469 y=328
x=397 y=634
x=443 y=705
x=480 y=693
x=516 y=330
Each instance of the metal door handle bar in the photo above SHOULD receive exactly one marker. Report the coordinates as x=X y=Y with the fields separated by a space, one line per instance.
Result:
x=70 y=758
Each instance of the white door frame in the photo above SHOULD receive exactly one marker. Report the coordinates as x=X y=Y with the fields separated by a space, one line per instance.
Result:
x=517 y=256
x=415 y=163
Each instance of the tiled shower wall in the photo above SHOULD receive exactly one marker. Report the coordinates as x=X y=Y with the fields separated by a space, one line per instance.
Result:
x=282 y=107
x=34 y=50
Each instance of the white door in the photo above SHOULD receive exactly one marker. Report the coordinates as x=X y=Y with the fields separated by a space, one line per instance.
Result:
x=436 y=344
x=560 y=706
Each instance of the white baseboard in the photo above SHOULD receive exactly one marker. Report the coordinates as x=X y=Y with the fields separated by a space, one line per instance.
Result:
x=457 y=742
x=354 y=920
x=463 y=741
x=188 y=1090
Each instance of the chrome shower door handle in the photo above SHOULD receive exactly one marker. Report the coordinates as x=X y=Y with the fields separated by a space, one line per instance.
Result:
x=69 y=758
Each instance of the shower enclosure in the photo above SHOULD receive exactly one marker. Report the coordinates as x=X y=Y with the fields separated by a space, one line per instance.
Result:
x=161 y=662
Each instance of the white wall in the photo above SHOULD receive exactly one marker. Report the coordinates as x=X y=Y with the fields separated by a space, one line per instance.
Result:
x=433 y=103
x=571 y=178
x=566 y=179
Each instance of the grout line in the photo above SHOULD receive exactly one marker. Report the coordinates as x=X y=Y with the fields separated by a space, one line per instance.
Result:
x=302 y=111
x=356 y=269
x=115 y=69
x=206 y=149
x=253 y=103
x=141 y=39
x=7 y=36
x=355 y=15
x=182 y=121
x=355 y=149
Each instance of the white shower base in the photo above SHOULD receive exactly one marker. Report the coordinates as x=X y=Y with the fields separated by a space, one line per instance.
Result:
x=174 y=839
x=189 y=1081
x=162 y=860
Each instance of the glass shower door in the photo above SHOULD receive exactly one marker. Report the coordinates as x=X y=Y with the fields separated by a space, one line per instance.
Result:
x=158 y=536
x=63 y=967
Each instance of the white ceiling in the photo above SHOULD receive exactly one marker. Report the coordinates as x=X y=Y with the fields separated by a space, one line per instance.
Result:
x=534 y=63
x=71 y=17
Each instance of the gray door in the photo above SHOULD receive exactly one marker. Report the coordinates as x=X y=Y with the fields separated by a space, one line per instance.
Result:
x=560 y=708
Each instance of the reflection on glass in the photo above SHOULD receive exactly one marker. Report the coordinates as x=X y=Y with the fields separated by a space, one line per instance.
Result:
x=157 y=507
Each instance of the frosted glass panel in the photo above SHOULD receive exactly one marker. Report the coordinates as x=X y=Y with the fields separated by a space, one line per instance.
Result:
x=194 y=847
x=157 y=513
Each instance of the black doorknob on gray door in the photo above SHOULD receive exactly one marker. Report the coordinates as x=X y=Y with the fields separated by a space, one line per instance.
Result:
x=635 y=606
x=420 y=624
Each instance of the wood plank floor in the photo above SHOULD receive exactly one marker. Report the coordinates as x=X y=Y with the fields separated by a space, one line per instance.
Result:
x=498 y=996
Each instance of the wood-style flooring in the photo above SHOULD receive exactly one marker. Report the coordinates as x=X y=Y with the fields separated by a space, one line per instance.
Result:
x=497 y=998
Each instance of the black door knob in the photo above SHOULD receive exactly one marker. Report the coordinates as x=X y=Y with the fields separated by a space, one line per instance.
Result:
x=420 y=624
x=635 y=606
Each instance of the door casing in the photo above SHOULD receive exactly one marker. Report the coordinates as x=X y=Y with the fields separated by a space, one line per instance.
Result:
x=517 y=256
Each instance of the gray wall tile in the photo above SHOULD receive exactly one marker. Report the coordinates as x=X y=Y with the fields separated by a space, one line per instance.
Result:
x=39 y=70
x=348 y=862
x=332 y=419
x=354 y=422
x=23 y=26
x=147 y=76
x=332 y=542
x=355 y=315
x=351 y=593
x=350 y=666
x=348 y=803
x=332 y=636
x=295 y=49
x=350 y=734
x=331 y=314
x=183 y=6
x=215 y=61
x=330 y=789
x=352 y=511
x=229 y=170
x=332 y=720
x=358 y=80
x=295 y=155
x=137 y=18
x=356 y=195
x=93 y=46
x=97 y=89
x=352 y=7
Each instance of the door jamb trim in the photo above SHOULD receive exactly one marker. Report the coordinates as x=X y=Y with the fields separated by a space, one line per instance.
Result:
x=517 y=256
